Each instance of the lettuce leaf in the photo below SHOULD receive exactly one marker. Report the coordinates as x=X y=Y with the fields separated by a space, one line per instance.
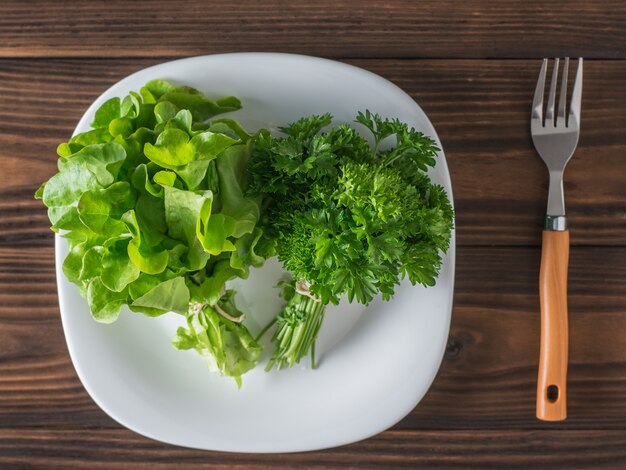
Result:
x=168 y=296
x=232 y=171
x=93 y=167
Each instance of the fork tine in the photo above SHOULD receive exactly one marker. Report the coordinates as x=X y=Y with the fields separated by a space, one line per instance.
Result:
x=538 y=99
x=574 y=107
x=560 y=116
x=552 y=95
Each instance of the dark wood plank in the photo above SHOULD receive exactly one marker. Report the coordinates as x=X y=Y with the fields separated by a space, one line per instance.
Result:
x=36 y=374
x=487 y=379
x=117 y=449
x=479 y=107
x=432 y=29
x=56 y=57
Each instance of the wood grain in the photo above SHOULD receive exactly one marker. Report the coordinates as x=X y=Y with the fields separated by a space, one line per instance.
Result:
x=487 y=379
x=116 y=449
x=480 y=109
x=452 y=58
x=332 y=28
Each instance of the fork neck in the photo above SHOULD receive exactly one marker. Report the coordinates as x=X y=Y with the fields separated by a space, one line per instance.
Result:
x=555 y=218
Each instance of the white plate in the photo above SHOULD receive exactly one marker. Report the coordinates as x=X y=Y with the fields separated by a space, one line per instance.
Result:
x=376 y=363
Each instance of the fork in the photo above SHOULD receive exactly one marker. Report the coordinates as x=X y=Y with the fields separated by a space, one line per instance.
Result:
x=555 y=138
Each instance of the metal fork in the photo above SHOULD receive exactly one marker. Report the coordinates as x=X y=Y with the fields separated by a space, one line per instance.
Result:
x=555 y=137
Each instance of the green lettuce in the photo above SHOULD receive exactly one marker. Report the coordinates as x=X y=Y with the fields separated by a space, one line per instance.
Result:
x=226 y=345
x=152 y=203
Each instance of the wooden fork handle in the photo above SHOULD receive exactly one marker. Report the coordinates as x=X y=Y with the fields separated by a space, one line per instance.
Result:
x=552 y=383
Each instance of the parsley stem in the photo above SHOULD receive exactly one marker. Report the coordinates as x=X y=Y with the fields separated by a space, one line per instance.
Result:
x=265 y=328
x=298 y=326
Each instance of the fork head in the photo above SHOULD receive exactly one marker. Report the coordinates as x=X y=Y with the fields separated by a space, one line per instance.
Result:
x=556 y=135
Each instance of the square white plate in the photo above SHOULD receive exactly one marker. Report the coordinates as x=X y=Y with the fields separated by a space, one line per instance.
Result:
x=375 y=363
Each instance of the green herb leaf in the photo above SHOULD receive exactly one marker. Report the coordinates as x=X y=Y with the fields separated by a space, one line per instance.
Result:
x=169 y=296
x=91 y=168
x=172 y=149
x=232 y=168
x=201 y=107
x=227 y=347
x=109 y=111
x=101 y=209
x=182 y=214
x=117 y=270
x=104 y=303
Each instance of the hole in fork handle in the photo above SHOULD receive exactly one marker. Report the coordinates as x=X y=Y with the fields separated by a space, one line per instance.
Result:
x=552 y=393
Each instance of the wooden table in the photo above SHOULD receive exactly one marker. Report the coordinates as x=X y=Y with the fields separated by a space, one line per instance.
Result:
x=472 y=66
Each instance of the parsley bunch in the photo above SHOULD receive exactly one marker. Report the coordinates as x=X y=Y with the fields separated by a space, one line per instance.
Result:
x=349 y=218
